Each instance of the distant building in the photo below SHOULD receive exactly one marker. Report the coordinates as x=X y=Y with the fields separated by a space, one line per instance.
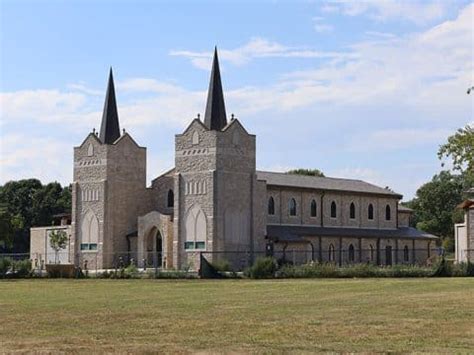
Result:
x=464 y=232
x=215 y=202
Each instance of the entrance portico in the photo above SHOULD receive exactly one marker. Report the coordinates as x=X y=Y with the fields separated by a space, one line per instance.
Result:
x=154 y=245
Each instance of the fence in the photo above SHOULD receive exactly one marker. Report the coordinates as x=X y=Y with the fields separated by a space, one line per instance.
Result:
x=239 y=260
x=98 y=261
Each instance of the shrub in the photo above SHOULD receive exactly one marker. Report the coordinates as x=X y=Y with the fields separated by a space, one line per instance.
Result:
x=263 y=268
x=221 y=265
x=408 y=271
x=131 y=271
x=5 y=264
x=442 y=269
x=21 y=268
x=328 y=270
x=470 y=269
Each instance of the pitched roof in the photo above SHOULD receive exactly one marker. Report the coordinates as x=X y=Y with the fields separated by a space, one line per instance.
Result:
x=215 y=117
x=109 y=128
x=323 y=183
x=291 y=233
x=404 y=209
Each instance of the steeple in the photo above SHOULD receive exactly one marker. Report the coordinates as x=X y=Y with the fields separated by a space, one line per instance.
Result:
x=215 y=117
x=110 y=129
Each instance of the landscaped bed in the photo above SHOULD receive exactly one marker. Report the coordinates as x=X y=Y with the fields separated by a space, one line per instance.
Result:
x=371 y=315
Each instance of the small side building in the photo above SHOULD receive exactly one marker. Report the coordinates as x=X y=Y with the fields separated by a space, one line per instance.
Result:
x=464 y=233
x=40 y=248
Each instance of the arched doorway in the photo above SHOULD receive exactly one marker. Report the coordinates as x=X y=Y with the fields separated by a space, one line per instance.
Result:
x=154 y=248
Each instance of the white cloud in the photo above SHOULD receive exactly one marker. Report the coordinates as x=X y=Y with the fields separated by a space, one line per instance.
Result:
x=255 y=48
x=23 y=156
x=393 y=139
x=422 y=76
x=416 y=11
x=320 y=26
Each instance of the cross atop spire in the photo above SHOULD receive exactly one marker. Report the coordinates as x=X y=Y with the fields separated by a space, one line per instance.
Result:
x=110 y=129
x=215 y=117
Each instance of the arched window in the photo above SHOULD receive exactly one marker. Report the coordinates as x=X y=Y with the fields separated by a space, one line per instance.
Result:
x=195 y=229
x=195 y=138
x=351 y=253
x=333 y=210
x=89 y=232
x=406 y=254
x=372 y=253
x=370 y=212
x=170 y=198
x=352 y=211
x=388 y=215
x=292 y=207
x=313 y=208
x=331 y=253
x=271 y=206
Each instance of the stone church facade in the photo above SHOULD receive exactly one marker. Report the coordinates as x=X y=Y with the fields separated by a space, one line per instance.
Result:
x=215 y=202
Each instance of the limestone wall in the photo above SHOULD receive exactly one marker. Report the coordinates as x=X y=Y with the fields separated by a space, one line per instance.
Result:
x=304 y=197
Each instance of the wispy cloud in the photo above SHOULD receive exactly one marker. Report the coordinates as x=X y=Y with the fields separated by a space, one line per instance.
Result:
x=416 y=11
x=255 y=48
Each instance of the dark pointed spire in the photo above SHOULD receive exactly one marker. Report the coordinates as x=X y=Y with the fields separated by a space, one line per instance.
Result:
x=110 y=129
x=215 y=117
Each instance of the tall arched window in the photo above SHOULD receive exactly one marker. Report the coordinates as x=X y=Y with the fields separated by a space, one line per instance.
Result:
x=351 y=253
x=170 y=198
x=352 y=211
x=313 y=208
x=372 y=253
x=370 y=212
x=406 y=254
x=89 y=232
x=292 y=207
x=333 y=210
x=388 y=214
x=195 y=229
x=271 y=206
x=331 y=253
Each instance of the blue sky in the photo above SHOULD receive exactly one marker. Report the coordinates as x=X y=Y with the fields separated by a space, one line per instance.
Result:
x=364 y=90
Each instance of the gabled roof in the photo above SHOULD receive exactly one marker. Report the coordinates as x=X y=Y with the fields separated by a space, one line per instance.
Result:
x=90 y=135
x=323 y=183
x=233 y=122
x=215 y=117
x=404 y=209
x=109 y=128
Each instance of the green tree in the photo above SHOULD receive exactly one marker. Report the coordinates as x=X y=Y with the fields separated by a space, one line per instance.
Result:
x=435 y=204
x=460 y=147
x=308 y=172
x=7 y=229
x=27 y=203
x=57 y=241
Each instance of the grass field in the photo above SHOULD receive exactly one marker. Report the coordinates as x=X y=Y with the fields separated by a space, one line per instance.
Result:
x=370 y=315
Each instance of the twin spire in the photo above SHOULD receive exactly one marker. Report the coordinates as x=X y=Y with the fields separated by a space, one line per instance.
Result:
x=214 y=119
x=110 y=129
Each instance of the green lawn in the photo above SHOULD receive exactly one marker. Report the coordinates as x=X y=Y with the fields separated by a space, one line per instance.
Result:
x=370 y=315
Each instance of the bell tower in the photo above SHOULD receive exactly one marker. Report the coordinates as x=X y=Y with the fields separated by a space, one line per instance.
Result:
x=215 y=182
x=108 y=180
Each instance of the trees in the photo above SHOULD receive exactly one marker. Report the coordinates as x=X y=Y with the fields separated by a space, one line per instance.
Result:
x=460 y=147
x=309 y=172
x=435 y=204
x=27 y=203
x=57 y=241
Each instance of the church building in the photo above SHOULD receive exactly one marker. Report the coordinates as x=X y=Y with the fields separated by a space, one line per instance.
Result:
x=214 y=202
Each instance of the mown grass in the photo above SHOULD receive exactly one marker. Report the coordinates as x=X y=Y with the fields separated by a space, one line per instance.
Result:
x=369 y=315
